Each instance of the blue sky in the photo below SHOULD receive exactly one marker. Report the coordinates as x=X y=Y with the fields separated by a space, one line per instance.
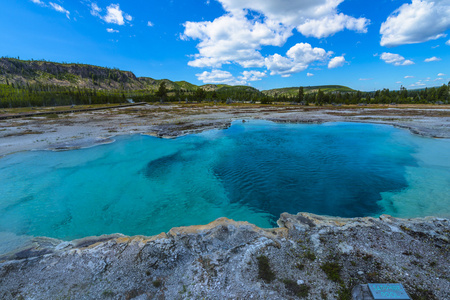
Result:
x=267 y=44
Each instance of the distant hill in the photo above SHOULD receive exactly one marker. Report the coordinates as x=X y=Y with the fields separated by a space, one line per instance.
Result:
x=76 y=75
x=292 y=91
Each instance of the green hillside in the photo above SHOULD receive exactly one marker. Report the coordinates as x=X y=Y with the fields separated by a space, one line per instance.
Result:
x=42 y=83
x=293 y=91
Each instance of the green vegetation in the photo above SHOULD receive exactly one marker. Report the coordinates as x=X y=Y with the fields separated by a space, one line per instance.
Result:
x=333 y=271
x=264 y=270
x=300 y=290
x=309 y=255
x=157 y=283
x=41 y=83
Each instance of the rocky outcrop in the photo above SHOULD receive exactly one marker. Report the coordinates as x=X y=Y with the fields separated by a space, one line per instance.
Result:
x=308 y=256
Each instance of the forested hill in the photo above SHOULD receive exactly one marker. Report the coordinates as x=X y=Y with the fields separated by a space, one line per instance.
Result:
x=42 y=83
x=22 y=72
x=293 y=91
x=25 y=73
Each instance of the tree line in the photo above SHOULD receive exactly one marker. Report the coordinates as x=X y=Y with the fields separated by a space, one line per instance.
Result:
x=37 y=94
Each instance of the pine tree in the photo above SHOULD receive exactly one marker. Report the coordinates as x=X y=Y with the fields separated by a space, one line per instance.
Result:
x=301 y=95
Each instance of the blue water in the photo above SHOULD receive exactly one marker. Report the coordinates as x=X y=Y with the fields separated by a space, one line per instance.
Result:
x=251 y=171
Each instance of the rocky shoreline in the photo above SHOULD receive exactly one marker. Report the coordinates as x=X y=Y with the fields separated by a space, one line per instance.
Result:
x=308 y=256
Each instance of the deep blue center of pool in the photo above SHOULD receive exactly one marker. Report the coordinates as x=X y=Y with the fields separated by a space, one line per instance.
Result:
x=252 y=171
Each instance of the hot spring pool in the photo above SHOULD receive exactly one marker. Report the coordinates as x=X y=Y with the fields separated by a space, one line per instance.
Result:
x=251 y=171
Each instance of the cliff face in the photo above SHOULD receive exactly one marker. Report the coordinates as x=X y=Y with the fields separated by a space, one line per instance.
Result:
x=14 y=71
x=33 y=68
x=309 y=256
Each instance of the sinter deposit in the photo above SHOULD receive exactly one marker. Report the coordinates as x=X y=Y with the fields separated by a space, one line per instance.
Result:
x=308 y=256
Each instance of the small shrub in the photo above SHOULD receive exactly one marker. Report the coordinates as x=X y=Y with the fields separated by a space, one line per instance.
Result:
x=423 y=294
x=345 y=293
x=300 y=290
x=264 y=271
x=310 y=255
x=333 y=270
x=157 y=283
x=108 y=293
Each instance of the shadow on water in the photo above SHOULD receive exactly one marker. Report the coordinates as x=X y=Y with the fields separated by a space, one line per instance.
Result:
x=158 y=167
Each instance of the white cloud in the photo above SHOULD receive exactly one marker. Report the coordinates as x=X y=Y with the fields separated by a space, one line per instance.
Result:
x=59 y=8
x=231 y=39
x=239 y=35
x=408 y=76
x=331 y=24
x=439 y=79
x=218 y=76
x=297 y=59
x=150 y=24
x=95 y=10
x=440 y=74
x=252 y=76
x=416 y=22
x=110 y=30
x=447 y=43
x=396 y=59
x=128 y=17
x=336 y=62
x=431 y=59
x=398 y=82
x=39 y=2
x=309 y=74
x=365 y=79
x=114 y=15
x=294 y=14
x=418 y=83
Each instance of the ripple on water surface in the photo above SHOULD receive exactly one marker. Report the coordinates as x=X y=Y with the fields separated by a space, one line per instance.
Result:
x=252 y=172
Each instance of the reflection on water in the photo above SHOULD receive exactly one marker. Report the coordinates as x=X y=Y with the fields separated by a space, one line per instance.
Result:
x=252 y=171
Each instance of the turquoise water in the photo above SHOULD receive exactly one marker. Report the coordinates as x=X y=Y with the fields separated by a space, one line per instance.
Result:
x=251 y=171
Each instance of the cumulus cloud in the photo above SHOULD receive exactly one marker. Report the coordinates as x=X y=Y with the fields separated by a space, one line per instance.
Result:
x=416 y=22
x=230 y=39
x=252 y=76
x=309 y=74
x=431 y=59
x=295 y=14
x=447 y=43
x=396 y=59
x=331 y=24
x=150 y=24
x=440 y=74
x=114 y=15
x=336 y=62
x=59 y=8
x=110 y=30
x=408 y=76
x=239 y=35
x=297 y=59
x=218 y=77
